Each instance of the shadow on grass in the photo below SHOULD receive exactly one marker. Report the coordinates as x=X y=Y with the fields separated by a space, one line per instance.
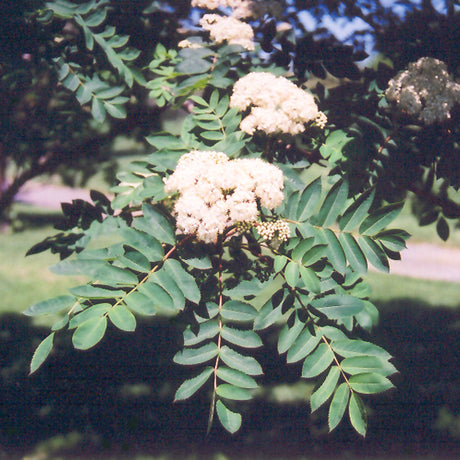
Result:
x=31 y=218
x=114 y=401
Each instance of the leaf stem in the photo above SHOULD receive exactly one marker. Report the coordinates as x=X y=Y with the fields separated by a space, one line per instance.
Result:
x=219 y=346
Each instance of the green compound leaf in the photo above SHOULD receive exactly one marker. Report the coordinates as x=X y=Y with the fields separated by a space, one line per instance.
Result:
x=318 y=361
x=192 y=66
x=228 y=391
x=202 y=263
x=246 y=339
x=50 y=306
x=183 y=279
x=212 y=135
x=208 y=330
x=136 y=261
x=303 y=346
x=324 y=392
x=155 y=224
x=144 y=243
x=267 y=316
x=92 y=292
x=333 y=333
x=379 y=219
x=365 y=364
x=279 y=262
x=231 y=421
x=236 y=377
x=348 y=348
x=291 y=273
x=235 y=360
x=115 y=110
x=97 y=109
x=288 y=335
x=333 y=147
x=308 y=200
x=41 y=353
x=353 y=253
x=96 y=270
x=60 y=323
x=161 y=300
x=357 y=414
x=395 y=240
x=338 y=405
x=92 y=312
x=356 y=212
x=314 y=254
x=299 y=251
x=369 y=383
x=168 y=283
x=246 y=288
x=334 y=251
x=339 y=307
x=333 y=204
x=191 y=386
x=89 y=333
x=192 y=356
x=374 y=253
x=140 y=304
x=310 y=279
x=237 y=311
x=122 y=318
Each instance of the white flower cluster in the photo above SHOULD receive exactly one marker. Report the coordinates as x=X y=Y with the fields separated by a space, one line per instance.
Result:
x=229 y=29
x=425 y=90
x=276 y=229
x=277 y=104
x=216 y=192
x=242 y=8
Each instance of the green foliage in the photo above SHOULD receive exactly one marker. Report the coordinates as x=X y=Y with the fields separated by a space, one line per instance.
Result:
x=307 y=287
x=104 y=96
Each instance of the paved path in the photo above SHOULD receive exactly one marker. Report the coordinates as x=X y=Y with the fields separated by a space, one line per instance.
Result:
x=420 y=260
x=428 y=261
x=50 y=196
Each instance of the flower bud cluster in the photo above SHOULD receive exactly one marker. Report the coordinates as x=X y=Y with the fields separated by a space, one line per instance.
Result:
x=425 y=90
x=321 y=120
x=277 y=104
x=275 y=229
x=229 y=29
x=216 y=192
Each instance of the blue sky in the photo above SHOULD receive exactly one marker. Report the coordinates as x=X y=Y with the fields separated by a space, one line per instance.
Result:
x=343 y=28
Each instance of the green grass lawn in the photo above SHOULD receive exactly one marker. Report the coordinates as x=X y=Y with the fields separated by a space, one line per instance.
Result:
x=26 y=280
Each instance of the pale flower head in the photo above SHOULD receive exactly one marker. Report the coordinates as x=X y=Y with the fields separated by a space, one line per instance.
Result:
x=216 y=192
x=228 y=29
x=277 y=104
x=425 y=90
x=242 y=8
x=186 y=43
